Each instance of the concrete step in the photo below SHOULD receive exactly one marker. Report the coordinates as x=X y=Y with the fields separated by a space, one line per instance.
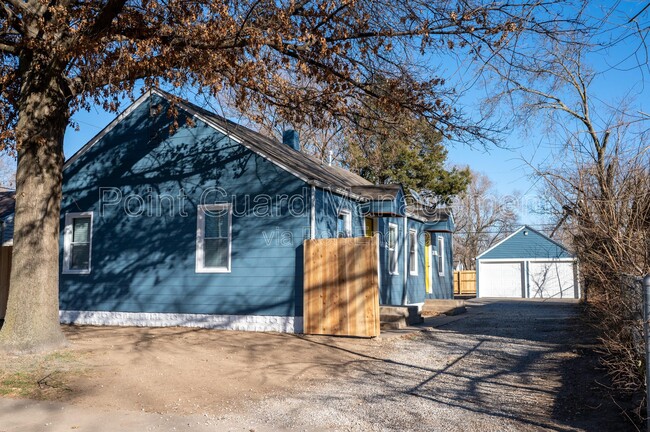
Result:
x=391 y=317
x=394 y=310
x=406 y=315
x=447 y=307
x=397 y=325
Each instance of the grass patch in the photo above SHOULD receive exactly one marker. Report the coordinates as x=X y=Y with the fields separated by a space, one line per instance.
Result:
x=43 y=377
x=17 y=384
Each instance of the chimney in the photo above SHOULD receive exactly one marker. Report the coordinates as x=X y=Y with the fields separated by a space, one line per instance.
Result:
x=291 y=138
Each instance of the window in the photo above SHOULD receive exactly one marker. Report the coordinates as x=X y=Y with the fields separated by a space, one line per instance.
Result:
x=213 y=238
x=344 y=224
x=392 y=249
x=441 y=256
x=77 y=242
x=369 y=227
x=413 y=252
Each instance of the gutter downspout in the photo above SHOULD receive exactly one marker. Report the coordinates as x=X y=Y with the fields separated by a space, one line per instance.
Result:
x=404 y=250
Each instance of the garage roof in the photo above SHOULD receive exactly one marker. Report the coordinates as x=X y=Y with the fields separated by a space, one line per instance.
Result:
x=527 y=242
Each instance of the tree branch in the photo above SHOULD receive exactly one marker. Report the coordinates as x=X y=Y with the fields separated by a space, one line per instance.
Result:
x=8 y=49
x=105 y=18
x=19 y=4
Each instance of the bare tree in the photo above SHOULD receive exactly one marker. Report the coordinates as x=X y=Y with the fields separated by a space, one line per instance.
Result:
x=596 y=182
x=482 y=217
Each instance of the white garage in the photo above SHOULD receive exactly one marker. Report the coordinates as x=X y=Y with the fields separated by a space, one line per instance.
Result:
x=527 y=264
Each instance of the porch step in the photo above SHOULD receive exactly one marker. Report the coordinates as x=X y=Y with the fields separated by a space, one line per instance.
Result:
x=397 y=317
x=447 y=307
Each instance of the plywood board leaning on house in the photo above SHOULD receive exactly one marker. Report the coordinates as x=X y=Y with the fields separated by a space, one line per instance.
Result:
x=341 y=287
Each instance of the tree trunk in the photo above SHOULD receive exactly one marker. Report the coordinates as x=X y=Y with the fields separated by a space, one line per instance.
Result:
x=32 y=318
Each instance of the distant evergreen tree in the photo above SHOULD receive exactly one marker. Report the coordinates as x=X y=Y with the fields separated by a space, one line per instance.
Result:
x=392 y=148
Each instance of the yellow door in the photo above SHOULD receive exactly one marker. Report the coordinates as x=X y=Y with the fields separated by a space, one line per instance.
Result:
x=370 y=227
x=427 y=262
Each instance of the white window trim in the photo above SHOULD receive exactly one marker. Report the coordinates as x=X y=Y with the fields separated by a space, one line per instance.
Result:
x=347 y=220
x=441 y=256
x=395 y=250
x=67 y=242
x=200 y=235
x=413 y=237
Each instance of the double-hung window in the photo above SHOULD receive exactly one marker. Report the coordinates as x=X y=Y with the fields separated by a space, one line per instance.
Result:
x=392 y=249
x=413 y=252
x=213 y=238
x=77 y=243
x=441 y=256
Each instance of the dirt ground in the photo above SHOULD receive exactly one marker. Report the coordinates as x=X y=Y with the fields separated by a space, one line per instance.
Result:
x=181 y=370
x=502 y=366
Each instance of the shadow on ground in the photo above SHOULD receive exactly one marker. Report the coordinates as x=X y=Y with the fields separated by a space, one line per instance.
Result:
x=503 y=366
x=511 y=365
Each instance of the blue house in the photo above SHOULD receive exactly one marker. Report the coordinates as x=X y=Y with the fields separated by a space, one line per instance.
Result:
x=194 y=220
x=527 y=264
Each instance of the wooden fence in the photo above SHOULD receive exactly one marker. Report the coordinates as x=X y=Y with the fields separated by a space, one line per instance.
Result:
x=341 y=287
x=5 y=272
x=465 y=283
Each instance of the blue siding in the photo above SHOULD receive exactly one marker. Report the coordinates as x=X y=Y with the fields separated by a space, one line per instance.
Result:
x=527 y=243
x=443 y=286
x=443 y=225
x=391 y=286
x=143 y=184
x=391 y=291
x=8 y=230
x=415 y=286
x=393 y=206
x=146 y=262
x=328 y=206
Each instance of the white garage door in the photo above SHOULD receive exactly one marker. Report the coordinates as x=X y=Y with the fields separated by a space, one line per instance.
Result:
x=503 y=279
x=551 y=280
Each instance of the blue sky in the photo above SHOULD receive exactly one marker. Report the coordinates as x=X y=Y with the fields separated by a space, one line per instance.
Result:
x=621 y=74
x=618 y=77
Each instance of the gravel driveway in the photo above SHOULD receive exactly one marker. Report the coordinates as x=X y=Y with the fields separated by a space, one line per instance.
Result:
x=503 y=366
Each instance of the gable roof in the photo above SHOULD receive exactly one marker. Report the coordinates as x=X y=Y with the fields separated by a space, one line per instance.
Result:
x=305 y=167
x=527 y=242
